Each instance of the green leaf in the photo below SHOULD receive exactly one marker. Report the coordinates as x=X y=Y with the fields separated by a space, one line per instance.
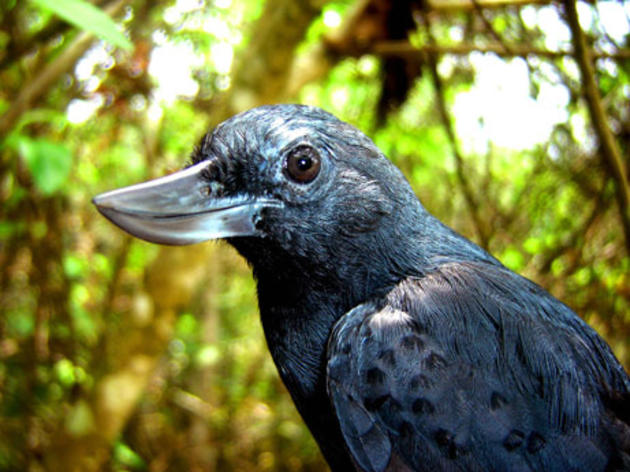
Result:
x=49 y=163
x=87 y=17
x=533 y=245
x=127 y=456
x=65 y=372
x=513 y=258
x=74 y=266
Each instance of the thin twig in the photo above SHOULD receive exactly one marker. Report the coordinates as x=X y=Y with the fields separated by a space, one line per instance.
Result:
x=576 y=236
x=497 y=37
x=609 y=149
x=406 y=49
x=461 y=5
x=469 y=196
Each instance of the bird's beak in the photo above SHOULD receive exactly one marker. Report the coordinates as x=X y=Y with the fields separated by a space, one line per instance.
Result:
x=178 y=209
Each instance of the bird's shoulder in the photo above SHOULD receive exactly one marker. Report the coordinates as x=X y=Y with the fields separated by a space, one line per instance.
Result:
x=471 y=367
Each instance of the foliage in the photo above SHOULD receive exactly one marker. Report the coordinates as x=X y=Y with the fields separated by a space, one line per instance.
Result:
x=82 y=334
x=87 y=17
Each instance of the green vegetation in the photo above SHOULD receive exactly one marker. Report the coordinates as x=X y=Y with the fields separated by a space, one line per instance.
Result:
x=119 y=355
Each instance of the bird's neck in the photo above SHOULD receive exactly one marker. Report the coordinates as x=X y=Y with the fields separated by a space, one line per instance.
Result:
x=300 y=300
x=301 y=297
x=298 y=313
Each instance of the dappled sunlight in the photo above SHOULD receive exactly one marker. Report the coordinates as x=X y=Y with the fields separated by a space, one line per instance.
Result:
x=499 y=109
x=116 y=354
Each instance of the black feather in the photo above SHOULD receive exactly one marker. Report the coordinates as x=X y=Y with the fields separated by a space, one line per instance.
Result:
x=403 y=344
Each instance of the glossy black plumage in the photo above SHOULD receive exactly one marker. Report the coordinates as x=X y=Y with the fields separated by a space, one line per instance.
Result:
x=404 y=345
x=472 y=367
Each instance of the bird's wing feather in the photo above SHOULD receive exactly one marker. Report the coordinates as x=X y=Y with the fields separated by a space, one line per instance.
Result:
x=471 y=367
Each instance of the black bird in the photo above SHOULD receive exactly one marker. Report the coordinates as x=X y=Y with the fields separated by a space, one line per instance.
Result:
x=404 y=345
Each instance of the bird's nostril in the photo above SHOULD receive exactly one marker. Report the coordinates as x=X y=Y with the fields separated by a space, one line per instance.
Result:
x=258 y=222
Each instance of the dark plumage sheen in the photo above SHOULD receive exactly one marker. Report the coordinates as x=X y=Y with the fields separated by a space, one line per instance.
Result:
x=404 y=345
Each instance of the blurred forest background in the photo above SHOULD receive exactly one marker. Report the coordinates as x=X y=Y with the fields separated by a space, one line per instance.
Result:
x=511 y=119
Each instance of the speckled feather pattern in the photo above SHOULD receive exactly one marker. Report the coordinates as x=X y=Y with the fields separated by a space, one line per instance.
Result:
x=451 y=374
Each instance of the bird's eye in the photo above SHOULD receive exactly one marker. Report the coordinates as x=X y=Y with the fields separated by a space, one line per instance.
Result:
x=303 y=164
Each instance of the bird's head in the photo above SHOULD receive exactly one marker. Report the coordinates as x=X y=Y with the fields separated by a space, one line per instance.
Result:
x=285 y=181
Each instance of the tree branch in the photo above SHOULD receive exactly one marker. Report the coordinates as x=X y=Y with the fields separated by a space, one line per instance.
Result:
x=42 y=80
x=488 y=25
x=609 y=149
x=460 y=5
x=406 y=49
x=574 y=240
x=469 y=196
